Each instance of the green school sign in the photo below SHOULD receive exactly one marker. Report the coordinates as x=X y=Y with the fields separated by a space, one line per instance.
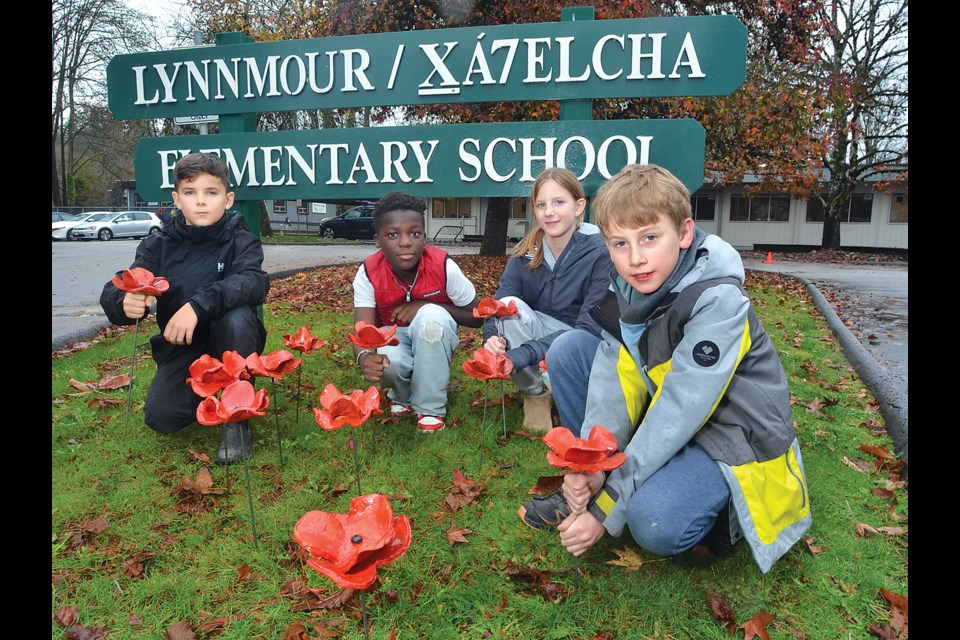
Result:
x=465 y=160
x=573 y=61
x=567 y=60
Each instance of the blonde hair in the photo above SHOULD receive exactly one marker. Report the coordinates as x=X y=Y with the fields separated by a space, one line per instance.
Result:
x=532 y=243
x=637 y=195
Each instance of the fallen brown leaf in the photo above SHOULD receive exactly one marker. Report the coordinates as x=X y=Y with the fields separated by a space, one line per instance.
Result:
x=757 y=626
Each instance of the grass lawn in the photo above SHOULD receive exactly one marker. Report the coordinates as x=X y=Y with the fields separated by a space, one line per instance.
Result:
x=150 y=539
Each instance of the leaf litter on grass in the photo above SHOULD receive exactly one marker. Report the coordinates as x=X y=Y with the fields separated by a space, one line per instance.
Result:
x=817 y=381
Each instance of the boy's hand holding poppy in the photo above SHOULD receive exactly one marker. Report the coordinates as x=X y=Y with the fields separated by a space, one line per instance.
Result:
x=578 y=488
x=496 y=345
x=179 y=329
x=372 y=365
x=136 y=306
x=579 y=532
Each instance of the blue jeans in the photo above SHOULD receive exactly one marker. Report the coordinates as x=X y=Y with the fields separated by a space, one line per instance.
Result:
x=679 y=504
x=569 y=361
x=528 y=324
x=419 y=370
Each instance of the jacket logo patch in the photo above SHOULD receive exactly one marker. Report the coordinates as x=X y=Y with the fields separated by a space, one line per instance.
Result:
x=706 y=353
x=220 y=267
x=431 y=293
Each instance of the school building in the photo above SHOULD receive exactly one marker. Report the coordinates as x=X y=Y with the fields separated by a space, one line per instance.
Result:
x=872 y=219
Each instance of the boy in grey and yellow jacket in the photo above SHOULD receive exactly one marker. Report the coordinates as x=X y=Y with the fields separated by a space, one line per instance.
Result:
x=689 y=383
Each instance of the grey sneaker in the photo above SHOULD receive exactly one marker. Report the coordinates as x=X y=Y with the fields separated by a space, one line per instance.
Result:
x=235 y=443
x=545 y=513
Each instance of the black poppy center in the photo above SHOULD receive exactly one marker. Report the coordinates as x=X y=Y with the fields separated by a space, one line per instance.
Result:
x=356 y=539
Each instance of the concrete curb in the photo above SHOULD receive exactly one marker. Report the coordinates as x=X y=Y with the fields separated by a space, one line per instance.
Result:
x=890 y=395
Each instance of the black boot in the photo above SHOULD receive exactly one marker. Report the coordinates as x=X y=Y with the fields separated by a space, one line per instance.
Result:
x=717 y=541
x=235 y=443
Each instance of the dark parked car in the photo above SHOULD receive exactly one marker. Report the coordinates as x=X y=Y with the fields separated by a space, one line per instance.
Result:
x=355 y=223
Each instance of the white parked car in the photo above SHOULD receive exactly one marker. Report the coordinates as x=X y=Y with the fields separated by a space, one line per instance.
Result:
x=117 y=224
x=62 y=230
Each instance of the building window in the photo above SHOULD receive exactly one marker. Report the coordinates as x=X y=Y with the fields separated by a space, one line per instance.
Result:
x=279 y=206
x=861 y=208
x=518 y=208
x=898 y=208
x=858 y=208
x=451 y=207
x=704 y=207
x=763 y=207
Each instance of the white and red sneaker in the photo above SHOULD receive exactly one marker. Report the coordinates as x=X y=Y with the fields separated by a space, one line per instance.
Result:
x=429 y=424
x=399 y=409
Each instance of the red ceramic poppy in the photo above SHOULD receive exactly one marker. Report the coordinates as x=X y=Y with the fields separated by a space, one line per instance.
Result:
x=354 y=409
x=208 y=375
x=140 y=280
x=597 y=453
x=486 y=366
x=349 y=548
x=543 y=365
x=275 y=364
x=367 y=336
x=302 y=341
x=489 y=308
x=237 y=402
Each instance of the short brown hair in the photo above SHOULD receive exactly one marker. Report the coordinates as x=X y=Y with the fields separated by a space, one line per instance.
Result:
x=637 y=195
x=193 y=164
x=397 y=201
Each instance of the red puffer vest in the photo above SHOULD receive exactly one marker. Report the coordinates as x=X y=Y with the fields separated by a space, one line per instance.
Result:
x=390 y=291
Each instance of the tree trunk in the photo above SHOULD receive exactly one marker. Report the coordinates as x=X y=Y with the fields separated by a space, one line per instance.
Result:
x=57 y=200
x=831 y=230
x=495 y=231
x=265 y=228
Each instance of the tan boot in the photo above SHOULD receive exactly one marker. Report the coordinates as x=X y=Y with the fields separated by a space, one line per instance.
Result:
x=537 y=416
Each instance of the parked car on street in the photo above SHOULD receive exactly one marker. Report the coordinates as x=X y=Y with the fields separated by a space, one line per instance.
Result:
x=117 y=224
x=64 y=230
x=60 y=216
x=355 y=224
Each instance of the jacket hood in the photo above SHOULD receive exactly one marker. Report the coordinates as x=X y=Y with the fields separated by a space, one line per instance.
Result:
x=716 y=258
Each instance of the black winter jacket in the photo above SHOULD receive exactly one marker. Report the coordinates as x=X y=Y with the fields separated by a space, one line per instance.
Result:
x=578 y=282
x=214 y=268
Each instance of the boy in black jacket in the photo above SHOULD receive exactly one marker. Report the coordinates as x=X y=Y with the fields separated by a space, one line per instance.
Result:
x=214 y=266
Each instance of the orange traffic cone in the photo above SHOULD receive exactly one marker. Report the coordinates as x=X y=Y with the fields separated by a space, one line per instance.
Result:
x=769 y=259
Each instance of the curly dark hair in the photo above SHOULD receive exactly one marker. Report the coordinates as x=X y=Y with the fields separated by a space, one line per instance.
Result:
x=397 y=201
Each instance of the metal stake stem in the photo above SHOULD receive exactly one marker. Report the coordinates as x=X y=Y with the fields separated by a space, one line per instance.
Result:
x=356 y=464
x=133 y=364
x=299 y=374
x=276 y=414
x=363 y=610
x=483 y=425
x=503 y=409
x=246 y=471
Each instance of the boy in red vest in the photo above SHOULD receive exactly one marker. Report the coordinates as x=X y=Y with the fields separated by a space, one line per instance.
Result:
x=422 y=291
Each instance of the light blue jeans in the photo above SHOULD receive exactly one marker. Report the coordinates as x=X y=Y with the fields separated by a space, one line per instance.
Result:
x=679 y=504
x=569 y=361
x=528 y=324
x=419 y=370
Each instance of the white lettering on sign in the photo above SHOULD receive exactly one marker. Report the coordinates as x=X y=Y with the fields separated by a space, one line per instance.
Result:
x=479 y=162
x=331 y=164
x=632 y=56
